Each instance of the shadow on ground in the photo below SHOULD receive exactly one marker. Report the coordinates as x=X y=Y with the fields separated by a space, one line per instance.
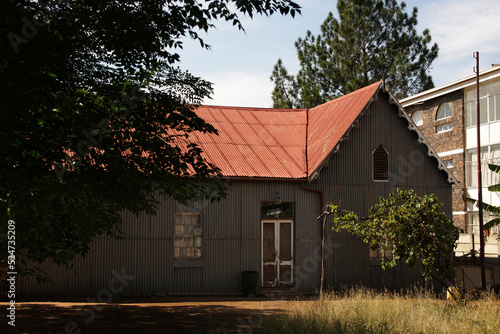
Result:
x=192 y=315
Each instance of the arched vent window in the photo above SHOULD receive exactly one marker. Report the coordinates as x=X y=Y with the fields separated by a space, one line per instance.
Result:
x=380 y=164
x=417 y=118
x=444 y=111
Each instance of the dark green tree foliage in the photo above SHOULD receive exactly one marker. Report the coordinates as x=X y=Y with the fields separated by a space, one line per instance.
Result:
x=285 y=91
x=94 y=115
x=371 y=41
x=410 y=227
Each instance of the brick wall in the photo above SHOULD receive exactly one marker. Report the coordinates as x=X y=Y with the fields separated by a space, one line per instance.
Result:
x=446 y=142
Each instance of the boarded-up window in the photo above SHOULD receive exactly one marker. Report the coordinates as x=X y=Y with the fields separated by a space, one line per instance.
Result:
x=187 y=237
x=380 y=164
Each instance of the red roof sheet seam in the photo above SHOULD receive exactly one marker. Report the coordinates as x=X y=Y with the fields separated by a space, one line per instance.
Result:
x=251 y=167
x=271 y=135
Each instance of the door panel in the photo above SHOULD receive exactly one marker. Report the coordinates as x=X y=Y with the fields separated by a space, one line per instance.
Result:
x=269 y=242
x=277 y=253
x=269 y=272
x=285 y=253
x=285 y=274
x=285 y=241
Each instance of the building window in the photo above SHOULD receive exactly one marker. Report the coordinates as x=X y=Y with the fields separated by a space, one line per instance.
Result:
x=187 y=236
x=380 y=164
x=473 y=223
x=448 y=163
x=489 y=155
x=489 y=104
x=444 y=128
x=443 y=112
x=417 y=118
x=376 y=254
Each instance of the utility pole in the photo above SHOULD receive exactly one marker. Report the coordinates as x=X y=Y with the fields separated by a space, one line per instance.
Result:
x=323 y=217
x=479 y=179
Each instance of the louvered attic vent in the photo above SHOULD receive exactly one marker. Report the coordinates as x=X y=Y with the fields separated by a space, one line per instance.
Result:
x=380 y=164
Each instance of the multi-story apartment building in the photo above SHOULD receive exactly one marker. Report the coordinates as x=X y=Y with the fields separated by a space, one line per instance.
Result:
x=446 y=115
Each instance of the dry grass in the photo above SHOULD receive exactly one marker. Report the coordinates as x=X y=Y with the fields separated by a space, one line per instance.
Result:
x=365 y=311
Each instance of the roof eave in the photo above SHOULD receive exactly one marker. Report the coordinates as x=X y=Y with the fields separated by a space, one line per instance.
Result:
x=364 y=111
x=263 y=178
x=451 y=87
x=421 y=139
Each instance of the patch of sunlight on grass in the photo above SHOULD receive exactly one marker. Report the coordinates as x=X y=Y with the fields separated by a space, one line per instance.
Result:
x=366 y=311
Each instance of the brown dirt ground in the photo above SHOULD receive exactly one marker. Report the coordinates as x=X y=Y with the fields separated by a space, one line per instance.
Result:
x=141 y=315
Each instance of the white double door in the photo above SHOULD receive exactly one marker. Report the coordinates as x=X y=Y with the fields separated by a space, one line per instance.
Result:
x=277 y=253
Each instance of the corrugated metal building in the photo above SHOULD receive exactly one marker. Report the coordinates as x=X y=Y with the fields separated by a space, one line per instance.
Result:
x=281 y=167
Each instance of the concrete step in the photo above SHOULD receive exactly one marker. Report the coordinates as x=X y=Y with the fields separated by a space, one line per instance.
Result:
x=281 y=293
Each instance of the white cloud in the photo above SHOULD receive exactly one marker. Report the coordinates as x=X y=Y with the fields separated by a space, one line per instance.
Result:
x=240 y=64
x=460 y=26
x=241 y=89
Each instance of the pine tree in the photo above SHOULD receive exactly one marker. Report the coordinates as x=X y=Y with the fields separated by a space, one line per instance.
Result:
x=286 y=90
x=371 y=40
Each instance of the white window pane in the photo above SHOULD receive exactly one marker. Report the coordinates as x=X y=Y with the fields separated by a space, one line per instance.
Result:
x=471 y=173
x=443 y=128
x=485 y=175
x=471 y=155
x=491 y=108
x=484 y=154
x=494 y=88
x=494 y=159
x=497 y=107
x=444 y=111
x=483 y=110
x=470 y=95
x=417 y=118
x=473 y=114
x=495 y=152
x=483 y=91
x=470 y=114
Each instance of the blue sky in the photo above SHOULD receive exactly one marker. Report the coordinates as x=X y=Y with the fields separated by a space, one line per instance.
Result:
x=239 y=64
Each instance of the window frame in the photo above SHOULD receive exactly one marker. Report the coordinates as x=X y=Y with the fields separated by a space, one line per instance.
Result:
x=188 y=261
x=472 y=221
x=489 y=99
x=489 y=154
x=447 y=127
x=420 y=120
x=376 y=254
x=440 y=109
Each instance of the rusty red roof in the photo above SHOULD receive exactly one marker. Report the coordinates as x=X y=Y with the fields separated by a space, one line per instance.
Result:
x=329 y=122
x=255 y=142
x=277 y=143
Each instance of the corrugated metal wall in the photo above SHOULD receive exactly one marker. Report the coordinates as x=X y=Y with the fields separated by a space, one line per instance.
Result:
x=347 y=182
x=232 y=227
x=231 y=244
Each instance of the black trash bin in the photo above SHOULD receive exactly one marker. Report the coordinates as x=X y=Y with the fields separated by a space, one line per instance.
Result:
x=249 y=282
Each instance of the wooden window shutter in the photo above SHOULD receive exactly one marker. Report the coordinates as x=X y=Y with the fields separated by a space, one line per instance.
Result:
x=380 y=164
